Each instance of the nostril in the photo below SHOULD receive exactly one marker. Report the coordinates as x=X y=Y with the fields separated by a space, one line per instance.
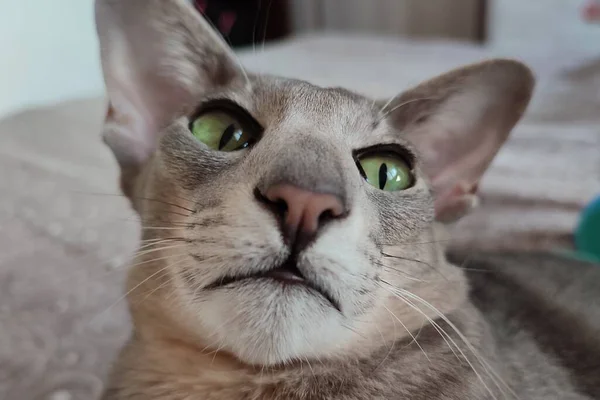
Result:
x=260 y=197
x=278 y=206
x=327 y=216
x=301 y=213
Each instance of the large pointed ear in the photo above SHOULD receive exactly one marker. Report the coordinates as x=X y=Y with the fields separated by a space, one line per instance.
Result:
x=458 y=122
x=157 y=56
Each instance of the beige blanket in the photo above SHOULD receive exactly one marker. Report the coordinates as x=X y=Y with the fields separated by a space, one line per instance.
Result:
x=65 y=233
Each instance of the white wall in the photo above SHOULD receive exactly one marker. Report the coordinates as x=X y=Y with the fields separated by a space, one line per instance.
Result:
x=542 y=23
x=48 y=52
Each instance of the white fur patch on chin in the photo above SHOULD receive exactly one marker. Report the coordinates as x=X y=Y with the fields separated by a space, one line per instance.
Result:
x=265 y=323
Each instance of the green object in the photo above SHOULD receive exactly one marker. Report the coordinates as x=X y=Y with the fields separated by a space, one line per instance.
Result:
x=579 y=256
x=221 y=131
x=587 y=234
x=386 y=172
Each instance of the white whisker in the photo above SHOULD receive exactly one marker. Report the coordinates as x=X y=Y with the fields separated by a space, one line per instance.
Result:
x=387 y=103
x=448 y=339
x=404 y=104
x=157 y=288
x=134 y=288
x=159 y=228
x=215 y=353
x=493 y=375
x=409 y=332
x=157 y=259
x=391 y=348
x=152 y=250
x=266 y=25
x=463 y=338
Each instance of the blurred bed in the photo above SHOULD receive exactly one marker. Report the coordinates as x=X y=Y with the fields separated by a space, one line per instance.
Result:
x=66 y=233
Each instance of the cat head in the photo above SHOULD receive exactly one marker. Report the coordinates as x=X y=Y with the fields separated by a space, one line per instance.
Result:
x=271 y=202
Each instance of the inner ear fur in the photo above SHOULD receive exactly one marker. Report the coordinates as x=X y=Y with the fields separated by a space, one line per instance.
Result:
x=458 y=122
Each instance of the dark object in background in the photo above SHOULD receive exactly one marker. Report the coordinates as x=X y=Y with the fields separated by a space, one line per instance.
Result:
x=246 y=22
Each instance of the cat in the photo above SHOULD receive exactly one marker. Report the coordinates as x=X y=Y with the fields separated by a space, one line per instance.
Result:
x=291 y=233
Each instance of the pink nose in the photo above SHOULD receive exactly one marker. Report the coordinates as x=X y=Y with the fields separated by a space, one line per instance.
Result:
x=305 y=211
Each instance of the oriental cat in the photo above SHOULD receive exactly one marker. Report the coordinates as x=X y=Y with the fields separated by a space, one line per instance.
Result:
x=291 y=232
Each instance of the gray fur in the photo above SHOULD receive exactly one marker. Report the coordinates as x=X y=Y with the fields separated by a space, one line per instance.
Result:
x=382 y=263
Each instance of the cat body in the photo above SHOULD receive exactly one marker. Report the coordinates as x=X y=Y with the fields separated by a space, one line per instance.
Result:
x=292 y=234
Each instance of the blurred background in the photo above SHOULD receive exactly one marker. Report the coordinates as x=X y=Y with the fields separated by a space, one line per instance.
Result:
x=49 y=49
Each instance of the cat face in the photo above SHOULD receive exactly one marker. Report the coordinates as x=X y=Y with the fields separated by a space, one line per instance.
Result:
x=274 y=200
x=310 y=140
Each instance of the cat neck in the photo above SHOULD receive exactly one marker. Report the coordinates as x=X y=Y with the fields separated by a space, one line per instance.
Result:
x=158 y=366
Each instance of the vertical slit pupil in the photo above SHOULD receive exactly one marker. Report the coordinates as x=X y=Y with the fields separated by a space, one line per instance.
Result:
x=382 y=175
x=227 y=135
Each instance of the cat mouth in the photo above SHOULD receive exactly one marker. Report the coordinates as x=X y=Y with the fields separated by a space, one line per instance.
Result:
x=287 y=274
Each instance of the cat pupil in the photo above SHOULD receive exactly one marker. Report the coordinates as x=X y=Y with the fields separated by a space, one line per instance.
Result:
x=227 y=135
x=382 y=175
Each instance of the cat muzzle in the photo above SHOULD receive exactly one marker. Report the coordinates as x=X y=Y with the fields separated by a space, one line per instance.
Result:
x=287 y=274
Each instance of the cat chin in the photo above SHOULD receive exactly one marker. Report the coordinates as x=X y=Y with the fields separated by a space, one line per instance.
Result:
x=267 y=323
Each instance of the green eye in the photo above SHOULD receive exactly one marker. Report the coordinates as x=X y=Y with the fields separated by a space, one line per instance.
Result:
x=386 y=172
x=221 y=131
